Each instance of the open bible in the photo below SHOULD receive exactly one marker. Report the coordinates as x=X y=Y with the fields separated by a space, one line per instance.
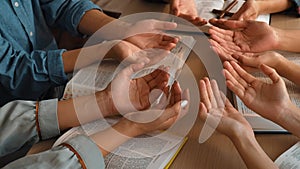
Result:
x=290 y=158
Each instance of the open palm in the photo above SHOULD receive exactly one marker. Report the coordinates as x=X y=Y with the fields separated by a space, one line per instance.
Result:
x=248 y=36
x=135 y=94
x=267 y=99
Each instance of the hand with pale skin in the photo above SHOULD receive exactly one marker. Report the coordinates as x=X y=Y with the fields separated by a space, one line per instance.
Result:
x=215 y=106
x=281 y=64
x=126 y=50
x=252 y=8
x=223 y=50
x=131 y=38
x=126 y=129
x=245 y=36
x=256 y=94
x=129 y=94
x=248 y=11
x=186 y=9
x=122 y=95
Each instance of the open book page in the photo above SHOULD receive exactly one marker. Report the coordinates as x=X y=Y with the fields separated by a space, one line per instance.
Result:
x=289 y=159
x=90 y=79
x=256 y=120
x=145 y=151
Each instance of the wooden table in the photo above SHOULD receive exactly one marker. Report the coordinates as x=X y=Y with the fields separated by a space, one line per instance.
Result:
x=218 y=152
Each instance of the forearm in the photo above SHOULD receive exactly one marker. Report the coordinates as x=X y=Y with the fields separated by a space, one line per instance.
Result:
x=84 y=109
x=251 y=152
x=287 y=40
x=79 y=58
x=273 y=6
x=111 y=138
x=92 y=21
x=289 y=70
x=290 y=119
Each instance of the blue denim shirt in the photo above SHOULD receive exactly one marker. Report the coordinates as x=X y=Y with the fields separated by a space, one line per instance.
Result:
x=30 y=62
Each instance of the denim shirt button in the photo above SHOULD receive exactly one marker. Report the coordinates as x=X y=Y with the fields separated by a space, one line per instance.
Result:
x=16 y=4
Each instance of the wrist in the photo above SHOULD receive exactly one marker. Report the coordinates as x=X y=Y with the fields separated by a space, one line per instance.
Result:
x=239 y=135
x=105 y=103
x=128 y=128
x=280 y=39
x=288 y=115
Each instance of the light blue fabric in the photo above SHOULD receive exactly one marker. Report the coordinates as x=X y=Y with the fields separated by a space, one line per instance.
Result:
x=30 y=63
x=18 y=124
x=62 y=158
x=18 y=129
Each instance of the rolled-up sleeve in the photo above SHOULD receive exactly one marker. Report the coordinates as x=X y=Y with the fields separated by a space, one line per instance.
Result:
x=66 y=14
x=29 y=75
x=78 y=152
x=24 y=123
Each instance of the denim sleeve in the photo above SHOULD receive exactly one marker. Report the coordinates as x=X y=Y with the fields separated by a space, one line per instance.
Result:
x=66 y=14
x=77 y=153
x=23 y=123
x=25 y=74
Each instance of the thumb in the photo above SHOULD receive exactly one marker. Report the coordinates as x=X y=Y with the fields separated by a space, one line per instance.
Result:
x=270 y=72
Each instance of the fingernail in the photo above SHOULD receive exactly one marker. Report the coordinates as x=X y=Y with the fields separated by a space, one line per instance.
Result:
x=184 y=103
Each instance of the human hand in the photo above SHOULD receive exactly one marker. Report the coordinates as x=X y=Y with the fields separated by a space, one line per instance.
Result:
x=157 y=118
x=252 y=62
x=217 y=110
x=255 y=93
x=246 y=36
x=186 y=9
x=129 y=94
x=136 y=123
x=224 y=51
x=153 y=40
x=248 y=11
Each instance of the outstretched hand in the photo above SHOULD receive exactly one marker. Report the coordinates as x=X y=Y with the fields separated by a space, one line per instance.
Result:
x=248 y=11
x=186 y=9
x=245 y=36
x=218 y=112
x=255 y=93
x=134 y=94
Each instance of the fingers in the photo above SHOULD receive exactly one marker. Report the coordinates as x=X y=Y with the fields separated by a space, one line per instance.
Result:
x=204 y=96
x=175 y=93
x=217 y=94
x=225 y=35
x=202 y=111
x=232 y=83
x=158 y=79
x=271 y=73
x=240 y=74
x=170 y=38
x=228 y=24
